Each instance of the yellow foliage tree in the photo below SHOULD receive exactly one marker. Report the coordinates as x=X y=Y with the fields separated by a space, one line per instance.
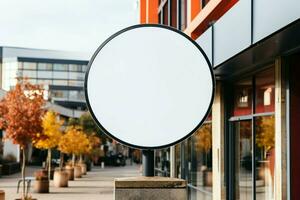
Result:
x=74 y=142
x=52 y=130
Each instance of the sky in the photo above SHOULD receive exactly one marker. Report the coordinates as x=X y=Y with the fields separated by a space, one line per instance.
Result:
x=72 y=25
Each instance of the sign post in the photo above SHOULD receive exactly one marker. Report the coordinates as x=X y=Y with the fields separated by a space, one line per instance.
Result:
x=148 y=162
x=149 y=87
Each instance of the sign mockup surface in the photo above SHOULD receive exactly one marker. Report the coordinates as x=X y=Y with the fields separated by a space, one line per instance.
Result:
x=149 y=86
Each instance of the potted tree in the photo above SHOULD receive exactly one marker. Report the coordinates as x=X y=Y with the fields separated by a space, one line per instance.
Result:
x=52 y=129
x=74 y=142
x=41 y=184
x=21 y=112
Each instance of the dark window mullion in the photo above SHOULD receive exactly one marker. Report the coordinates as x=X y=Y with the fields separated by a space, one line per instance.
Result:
x=253 y=141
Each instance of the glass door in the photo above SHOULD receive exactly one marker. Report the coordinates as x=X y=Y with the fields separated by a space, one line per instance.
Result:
x=243 y=159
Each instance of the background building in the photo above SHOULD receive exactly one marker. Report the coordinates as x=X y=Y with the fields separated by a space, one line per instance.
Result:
x=62 y=73
x=247 y=148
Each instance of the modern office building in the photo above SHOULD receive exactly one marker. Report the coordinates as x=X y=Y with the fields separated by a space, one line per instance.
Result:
x=248 y=148
x=61 y=73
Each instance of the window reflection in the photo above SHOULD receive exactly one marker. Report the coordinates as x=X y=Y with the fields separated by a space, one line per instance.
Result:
x=201 y=162
x=265 y=91
x=243 y=161
x=243 y=98
x=265 y=157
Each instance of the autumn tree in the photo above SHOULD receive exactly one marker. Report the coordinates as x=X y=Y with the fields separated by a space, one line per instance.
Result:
x=52 y=130
x=90 y=127
x=74 y=142
x=21 y=112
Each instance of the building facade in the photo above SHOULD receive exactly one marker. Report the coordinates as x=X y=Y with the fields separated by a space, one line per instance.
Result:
x=248 y=146
x=61 y=73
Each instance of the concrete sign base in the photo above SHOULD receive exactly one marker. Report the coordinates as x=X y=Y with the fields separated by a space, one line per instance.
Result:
x=147 y=188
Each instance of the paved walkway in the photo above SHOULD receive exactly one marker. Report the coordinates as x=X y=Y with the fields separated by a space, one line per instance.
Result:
x=96 y=185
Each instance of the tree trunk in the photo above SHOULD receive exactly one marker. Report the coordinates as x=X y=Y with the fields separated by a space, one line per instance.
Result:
x=73 y=159
x=49 y=164
x=61 y=162
x=24 y=192
x=80 y=158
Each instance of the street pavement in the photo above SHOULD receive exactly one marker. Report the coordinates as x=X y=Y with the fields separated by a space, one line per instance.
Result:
x=98 y=184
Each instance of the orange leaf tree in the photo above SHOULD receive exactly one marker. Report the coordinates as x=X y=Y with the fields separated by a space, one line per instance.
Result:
x=52 y=130
x=21 y=112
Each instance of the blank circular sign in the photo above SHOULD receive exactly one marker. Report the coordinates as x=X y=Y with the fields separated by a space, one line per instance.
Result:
x=149 y=86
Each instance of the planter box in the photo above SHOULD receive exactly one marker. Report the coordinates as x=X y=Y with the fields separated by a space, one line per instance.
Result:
x=70 y=171
x=60 y=178
x=77 y=171
x=83 y=168
x=11 y=168
x=2 y=195
x=41 y=186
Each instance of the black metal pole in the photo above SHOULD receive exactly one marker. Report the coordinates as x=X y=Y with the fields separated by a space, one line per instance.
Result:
x=148 y=162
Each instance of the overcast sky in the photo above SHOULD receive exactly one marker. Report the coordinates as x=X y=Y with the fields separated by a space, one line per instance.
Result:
x=78 y=25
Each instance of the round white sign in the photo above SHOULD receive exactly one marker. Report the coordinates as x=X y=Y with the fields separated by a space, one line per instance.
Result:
x=149 y=86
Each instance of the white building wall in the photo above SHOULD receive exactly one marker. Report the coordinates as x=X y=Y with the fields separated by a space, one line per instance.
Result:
x=10 y=148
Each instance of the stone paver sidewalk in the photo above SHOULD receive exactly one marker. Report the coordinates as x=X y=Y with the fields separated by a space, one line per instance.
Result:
x=96 y=185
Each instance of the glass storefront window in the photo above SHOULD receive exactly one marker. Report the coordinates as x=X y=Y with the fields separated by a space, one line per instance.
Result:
x=60 y=67
x=265 y=91
x=29 y=65
x=201 y=162
x=243 y=98
x=45 y=66
x=265 y=157
x=177 y=161
x=254 y=157
x=162 y=162
x=243 y=159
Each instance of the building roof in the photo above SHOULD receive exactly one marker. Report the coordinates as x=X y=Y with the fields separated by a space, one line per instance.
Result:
x=11 y=52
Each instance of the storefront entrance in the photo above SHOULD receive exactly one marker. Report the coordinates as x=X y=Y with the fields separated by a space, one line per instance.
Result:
x=252 y=133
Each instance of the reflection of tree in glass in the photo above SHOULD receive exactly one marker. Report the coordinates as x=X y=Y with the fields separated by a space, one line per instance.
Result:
x=245 y=129
x=203 y=140
x=265 y=132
